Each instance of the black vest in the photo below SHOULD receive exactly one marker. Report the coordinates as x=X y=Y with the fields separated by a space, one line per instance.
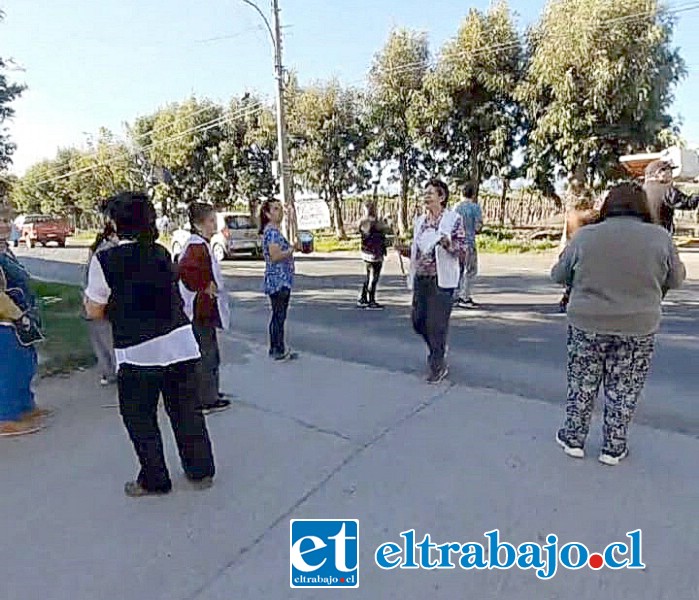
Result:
x=145 y=302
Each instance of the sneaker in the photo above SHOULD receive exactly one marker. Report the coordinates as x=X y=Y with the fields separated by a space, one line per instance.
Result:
x=17 y=428
x=374 y=306
x=611 y=460
x=133 y=489
x=288 y=355
x=362 y=303
x=218 y=406
x=572 y=451
x=439 y=376
x=108 y=381
x=202 y=484
x=471 y=304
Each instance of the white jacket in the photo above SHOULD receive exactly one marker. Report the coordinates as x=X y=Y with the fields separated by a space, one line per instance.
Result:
x=448 y=267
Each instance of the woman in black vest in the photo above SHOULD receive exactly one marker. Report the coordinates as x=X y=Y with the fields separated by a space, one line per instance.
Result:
x=134 y=285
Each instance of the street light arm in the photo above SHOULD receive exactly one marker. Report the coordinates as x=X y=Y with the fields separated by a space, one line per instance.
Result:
x=259 y=12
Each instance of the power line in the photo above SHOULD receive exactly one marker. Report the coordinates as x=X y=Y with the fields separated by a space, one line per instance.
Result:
x=691 y=6
x=198 y=129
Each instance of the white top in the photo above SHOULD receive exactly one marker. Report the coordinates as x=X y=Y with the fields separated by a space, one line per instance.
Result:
x=179 y=345
x=448 y=267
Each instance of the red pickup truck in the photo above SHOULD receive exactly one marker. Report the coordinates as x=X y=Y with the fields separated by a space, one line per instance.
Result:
x=44 y=229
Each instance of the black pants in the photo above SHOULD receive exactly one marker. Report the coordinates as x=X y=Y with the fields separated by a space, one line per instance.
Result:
x=210 y=362
x=371 y=281
x=431 y=311
x=280 y=306
x=139 y=392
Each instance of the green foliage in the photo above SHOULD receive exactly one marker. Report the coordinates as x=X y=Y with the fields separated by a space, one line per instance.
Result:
x=471 y=118
x=329 y=143
x=592 y=80
x=396 y=86
x=598 y=85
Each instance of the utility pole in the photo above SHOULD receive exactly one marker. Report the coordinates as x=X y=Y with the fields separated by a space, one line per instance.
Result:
x=285 y=179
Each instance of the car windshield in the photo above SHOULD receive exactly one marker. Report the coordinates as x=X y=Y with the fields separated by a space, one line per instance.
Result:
x=37 y=219
x=239 y=222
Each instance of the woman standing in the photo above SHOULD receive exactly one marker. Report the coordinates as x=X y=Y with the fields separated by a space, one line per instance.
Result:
x=279 y=275
x=373 y=234
x=135 y=286
x=619 y=269
x=19 y=332
x=436 y=253
x=100 y=330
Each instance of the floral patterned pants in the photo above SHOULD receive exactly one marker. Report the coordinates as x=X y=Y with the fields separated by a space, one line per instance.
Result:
x=621 y=363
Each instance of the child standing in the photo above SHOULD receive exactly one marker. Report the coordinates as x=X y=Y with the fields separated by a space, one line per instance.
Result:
x=100 y=330
x=205 y=302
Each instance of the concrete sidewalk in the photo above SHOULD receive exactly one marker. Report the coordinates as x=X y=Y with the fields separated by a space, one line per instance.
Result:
x=319 y=438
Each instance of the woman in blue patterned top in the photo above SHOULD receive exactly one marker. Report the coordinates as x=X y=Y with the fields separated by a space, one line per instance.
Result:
x=279 y=275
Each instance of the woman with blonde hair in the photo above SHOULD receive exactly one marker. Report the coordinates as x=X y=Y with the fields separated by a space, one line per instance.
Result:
x=619 y=271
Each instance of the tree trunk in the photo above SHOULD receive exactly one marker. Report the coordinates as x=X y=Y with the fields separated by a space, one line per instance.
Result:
x=403 y=205
x=337 y=211
x=503 y=201
x=475 y=166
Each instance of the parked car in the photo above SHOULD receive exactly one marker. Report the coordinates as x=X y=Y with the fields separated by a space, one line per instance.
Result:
x=236 y=233
x=43 y=229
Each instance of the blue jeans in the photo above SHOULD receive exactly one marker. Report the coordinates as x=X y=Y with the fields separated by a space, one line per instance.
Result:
x=280 y=307
x=17 y=369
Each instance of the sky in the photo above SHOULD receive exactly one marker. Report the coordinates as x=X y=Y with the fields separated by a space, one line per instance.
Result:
x=94 y=63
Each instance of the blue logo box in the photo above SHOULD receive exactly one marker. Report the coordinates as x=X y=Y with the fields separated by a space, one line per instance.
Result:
x=324 y=553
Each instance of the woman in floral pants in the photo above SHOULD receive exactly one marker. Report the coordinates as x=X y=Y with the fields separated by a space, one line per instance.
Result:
x=619 y=269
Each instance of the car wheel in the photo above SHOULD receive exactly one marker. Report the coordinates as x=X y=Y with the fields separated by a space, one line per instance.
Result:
x=219 y=253
x=61 y=243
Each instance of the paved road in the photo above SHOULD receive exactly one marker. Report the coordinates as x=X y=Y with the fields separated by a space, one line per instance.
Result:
x=515 y=344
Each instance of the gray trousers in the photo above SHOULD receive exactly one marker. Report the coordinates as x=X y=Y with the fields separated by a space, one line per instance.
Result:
x=100 y=332
x=210 y=362
x=431 y=311
x=469 y=271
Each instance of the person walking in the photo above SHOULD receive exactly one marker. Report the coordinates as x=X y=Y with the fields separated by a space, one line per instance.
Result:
x=135 y=286
x=437 y=249
x=619 y=270
x=663 y=197
x=100 y=330
x=279 y=276
x=205 y=301
x=373 y=235
x=472 y=218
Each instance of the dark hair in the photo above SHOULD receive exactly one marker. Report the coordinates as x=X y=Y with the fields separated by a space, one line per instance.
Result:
x=107 y=232
x=198 y=211
x=626 y=200
x=442 y=187
x=264 y=209
x=470 y=190
x=134 y=216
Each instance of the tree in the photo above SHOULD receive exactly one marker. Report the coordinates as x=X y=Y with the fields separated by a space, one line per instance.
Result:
x=598 y=85
x=8 y=93
x=177 y=138
x=472 y=120
x=328 y=144
x=395 y=85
